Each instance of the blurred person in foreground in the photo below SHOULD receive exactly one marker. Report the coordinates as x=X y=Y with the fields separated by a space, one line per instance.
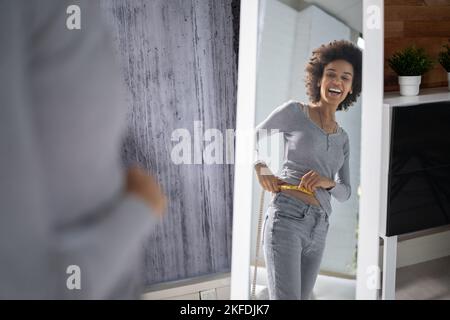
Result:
x=65 y=198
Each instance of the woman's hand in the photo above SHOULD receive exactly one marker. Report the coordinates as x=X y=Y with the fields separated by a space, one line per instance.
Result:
x=146 y=188
x=312 y=180
x=266 y=179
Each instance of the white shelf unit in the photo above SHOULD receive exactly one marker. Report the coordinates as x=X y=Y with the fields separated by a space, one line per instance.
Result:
x=391 y=100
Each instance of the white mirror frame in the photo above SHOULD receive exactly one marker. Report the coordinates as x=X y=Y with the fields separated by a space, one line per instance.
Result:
x=373 y=185
x=243 y=168
x=372 y=191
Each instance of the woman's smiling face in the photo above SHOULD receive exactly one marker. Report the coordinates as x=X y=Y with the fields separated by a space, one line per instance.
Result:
x=336 y=82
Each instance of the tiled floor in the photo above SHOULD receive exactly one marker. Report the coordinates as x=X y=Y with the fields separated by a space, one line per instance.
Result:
x=332 y=288
x=424 y=281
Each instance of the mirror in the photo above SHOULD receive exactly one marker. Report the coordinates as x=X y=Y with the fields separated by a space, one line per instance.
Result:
x=305 y=248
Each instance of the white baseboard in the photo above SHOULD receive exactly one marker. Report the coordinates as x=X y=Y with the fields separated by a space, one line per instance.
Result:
x=216 y=287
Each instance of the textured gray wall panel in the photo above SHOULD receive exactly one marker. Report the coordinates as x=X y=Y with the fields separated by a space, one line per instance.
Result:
x=179 y=62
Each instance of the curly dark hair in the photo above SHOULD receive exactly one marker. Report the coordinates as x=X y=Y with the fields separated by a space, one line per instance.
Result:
x=326 y=53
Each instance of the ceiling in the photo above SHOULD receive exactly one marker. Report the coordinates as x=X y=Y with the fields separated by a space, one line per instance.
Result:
x=348 y=11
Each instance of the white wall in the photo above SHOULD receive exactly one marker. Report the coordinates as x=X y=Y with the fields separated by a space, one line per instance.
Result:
x=273 y=77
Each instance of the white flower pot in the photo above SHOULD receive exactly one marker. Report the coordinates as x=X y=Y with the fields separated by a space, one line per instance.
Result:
x=448 y=80
x=409 y=85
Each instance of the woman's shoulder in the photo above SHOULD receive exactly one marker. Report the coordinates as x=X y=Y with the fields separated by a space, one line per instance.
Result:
x=343 y=133
x=292 y=106
x=345 y=138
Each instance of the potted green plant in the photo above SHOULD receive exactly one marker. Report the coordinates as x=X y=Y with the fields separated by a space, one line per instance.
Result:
x=444 y=60
x=410 y=64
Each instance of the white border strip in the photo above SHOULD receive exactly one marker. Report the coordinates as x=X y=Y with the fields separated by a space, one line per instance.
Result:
x=243 y=170
x=370 y=205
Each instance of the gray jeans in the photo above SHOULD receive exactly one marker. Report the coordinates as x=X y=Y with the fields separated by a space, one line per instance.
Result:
x=294 y=235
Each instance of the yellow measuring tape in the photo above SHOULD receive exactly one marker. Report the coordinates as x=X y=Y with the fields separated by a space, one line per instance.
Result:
x=292 y=187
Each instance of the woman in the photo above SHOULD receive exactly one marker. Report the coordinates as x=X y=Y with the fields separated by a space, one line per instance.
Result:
x=316 y=159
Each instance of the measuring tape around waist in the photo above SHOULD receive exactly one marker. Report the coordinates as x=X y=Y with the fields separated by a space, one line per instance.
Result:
x=293 y=187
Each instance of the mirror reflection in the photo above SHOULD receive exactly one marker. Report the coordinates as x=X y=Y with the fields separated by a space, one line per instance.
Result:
x=306 y=169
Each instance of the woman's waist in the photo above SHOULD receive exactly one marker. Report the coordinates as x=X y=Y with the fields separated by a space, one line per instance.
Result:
x=292 y=176
x=308 y=199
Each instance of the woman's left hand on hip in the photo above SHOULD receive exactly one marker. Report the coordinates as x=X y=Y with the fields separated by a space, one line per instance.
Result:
x=312 y=180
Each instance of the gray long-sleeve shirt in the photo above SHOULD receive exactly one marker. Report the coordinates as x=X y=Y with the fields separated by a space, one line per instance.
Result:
x=62 y=118
x=308 y=147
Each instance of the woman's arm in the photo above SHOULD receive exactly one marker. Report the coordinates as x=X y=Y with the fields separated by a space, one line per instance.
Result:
x=277 y=121
x=342 y=190
x=274 y=123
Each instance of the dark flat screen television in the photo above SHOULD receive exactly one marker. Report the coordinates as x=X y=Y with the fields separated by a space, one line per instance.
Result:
x=419 y=168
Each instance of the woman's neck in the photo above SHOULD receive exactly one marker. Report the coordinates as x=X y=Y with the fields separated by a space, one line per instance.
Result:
x=327 y=111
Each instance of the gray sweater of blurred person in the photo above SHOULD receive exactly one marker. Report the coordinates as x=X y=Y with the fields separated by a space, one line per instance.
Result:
x=62 y=199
